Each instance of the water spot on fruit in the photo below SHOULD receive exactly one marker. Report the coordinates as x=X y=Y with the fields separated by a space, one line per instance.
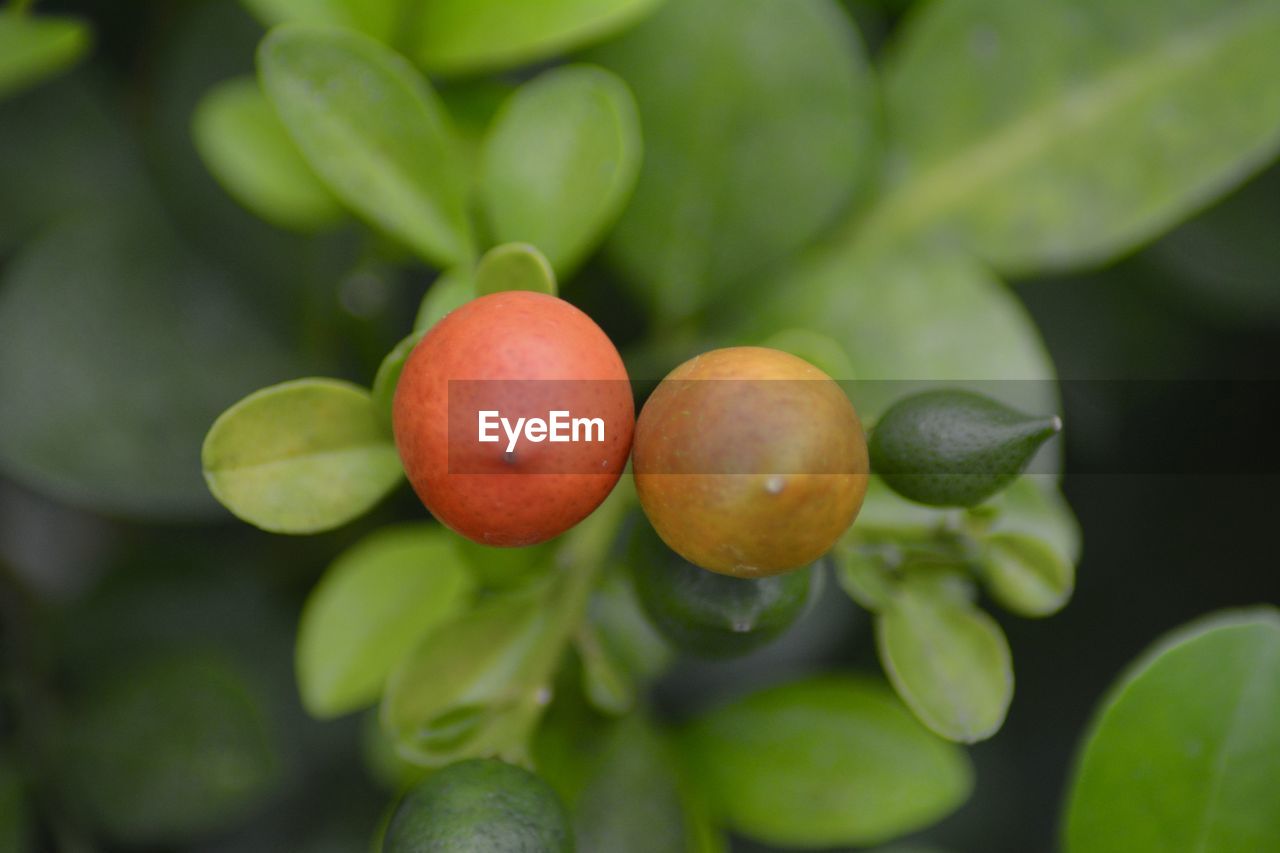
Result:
x=775 y=484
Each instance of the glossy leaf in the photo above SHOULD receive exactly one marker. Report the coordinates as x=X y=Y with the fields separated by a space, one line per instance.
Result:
x=105 y=325
x=825 y=762
x=377 y=18
x=456 y=36
x=758 y=129
x=170 y=750
x=1025 y=575
x=1063 y=133
x=1184 y=754
x=34 y=48
x=372 y=606
x=514 y=266
x=388 y=375
x=301 y=457
x=374 y=131
x=243 y=143
x=948 y=660
x=450 y=290
x=560 y=162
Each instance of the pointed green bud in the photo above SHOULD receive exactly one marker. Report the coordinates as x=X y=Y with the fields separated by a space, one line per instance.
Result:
x=954 y=448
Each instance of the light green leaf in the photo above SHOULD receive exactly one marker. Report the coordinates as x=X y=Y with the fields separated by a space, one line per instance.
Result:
x=117 y=350
x=1184 y=754
x=1026 y=575
x=758 y=129
x=619 y=647
x=388 y=375
x=450 y=290
x=243 y=143
x=301 y=457
x=1061 y=133
x=374 y=131
x=372 y=606
x=514 y=266
x=822 y=351
x=560 y=162
x=948 y=660
x=377 y=18
x=1033 y=506
x=458 y=36
x=825 y=762
x=34 y=48
x=169 y=750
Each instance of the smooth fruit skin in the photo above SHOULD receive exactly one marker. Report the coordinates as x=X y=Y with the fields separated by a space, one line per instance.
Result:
x=479 y=805
x=541 y=490
x=788 y=429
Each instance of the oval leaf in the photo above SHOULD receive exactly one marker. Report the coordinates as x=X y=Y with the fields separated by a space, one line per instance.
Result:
x=1063 y=133
x=301 y=457
x=560 y=162
x=753 y=140
x=377 y=18
x=1026 y=575
x=1184 y=755
x=948 y=660
x=374 y=131
x=824 y=762
x=33 y=48
x=243 y=143
x=450 y=290
x=370 y=609
x=514 y=266
x=388 y=375
x=469 y=35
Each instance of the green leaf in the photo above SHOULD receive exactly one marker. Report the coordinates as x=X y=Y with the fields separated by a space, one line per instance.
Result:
x=374 y=131
x=247 y=149
x=1063 y=133
x=1025 y=575
x=377 y=18
x=15 y=822
x=301 y=457
x=450 y=290
x=1184 y=753
x=169 y=750
x=758 y=130
x=117 y=349
x=560 y=162
x=948 y=660
x=824 y=762
x=1034 y=507
x=620 y=648
x=34 y=48
x=458 y=36
x=476 y=685
x=373 y=605
x=514 y=266
x=388 y=375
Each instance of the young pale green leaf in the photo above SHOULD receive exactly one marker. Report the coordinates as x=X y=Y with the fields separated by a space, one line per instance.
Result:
x=242 y=141
x=1063 y=133
x=1034 y=507
x=377 y=18
x=388 y=375
x=34 y=48
x=560 y=162
x=459 y=36
x=514 y=266
x=825 y=762
x=301 y=457
x=822 y=351
x=450 y=290
x=948 y=660
x=1026 y=575
x=371 y=608
x=757 y=131
x=374 y=131
x=169 y=750
x=1184 y=754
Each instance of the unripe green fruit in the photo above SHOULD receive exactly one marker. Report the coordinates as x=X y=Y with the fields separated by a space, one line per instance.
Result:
x=954 y=448
x=710 y=614
x=477 y=805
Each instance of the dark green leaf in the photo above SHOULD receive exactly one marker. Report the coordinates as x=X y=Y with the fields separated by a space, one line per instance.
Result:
x=373 y=605
x=1184 y=754
x=246 y=147
x=32 y=48
x=758 y=128
x=374 y=131
x=825 y=762
x=301 y=457
x=560 y=162
x=514 y=266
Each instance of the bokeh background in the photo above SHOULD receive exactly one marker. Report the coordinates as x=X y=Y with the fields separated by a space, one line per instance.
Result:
x=134 y=651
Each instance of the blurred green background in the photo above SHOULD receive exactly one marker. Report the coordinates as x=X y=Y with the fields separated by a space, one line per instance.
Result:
x=137 y=300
